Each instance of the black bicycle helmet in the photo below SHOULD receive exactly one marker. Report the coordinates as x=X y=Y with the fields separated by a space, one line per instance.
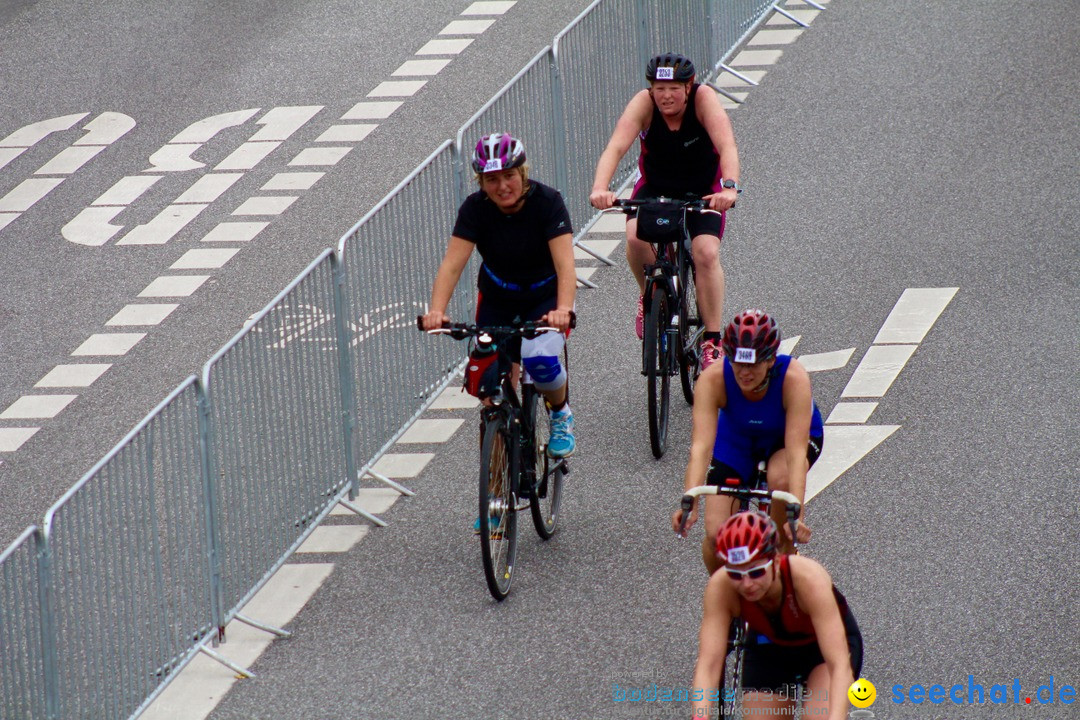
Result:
x=670 y=66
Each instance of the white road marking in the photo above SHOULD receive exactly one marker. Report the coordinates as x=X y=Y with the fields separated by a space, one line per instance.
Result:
x=851 y=412
x=9 y=154
x=208 y=188
x=35 y=407
x=333 y=538
x=454 y=398
x=787 y=345
x=247 y=156
x=914 y=314
x=346 y=133
x=204 y=259
x=402 y=465
x=142 y=314
x=827 y=360
x=79 y=375
x=235 y=231
x=413 y=68
x=108 y=344
x=756 y=58
x=174 y=286
x=23 y=196
x=127 y=190
x=31 y=134
x=397 y=88
x=92 y=227
x=430 y=431
x=609 y=223
x=69 y=160
x=844 y=446
x=729 y=105
x=585 y=273
x=602 y=247
x=319 y=156
x=175 y=157
x=281 y=122
x=163 y=227
x=488 y=7
x=11 y=439
x=379 y=110
x=447 y=46
x=466 y=27
x=265 y=205
x=105 y=129
x=774 y=37
x=806 y=16
x=6 y=218
x=203 y=683
x=877 y=370
x=292 y=181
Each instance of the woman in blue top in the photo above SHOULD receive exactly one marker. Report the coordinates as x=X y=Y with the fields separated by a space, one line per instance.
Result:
x=756 y=404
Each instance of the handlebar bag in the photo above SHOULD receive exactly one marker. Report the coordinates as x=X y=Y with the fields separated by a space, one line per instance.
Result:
x=659 y=223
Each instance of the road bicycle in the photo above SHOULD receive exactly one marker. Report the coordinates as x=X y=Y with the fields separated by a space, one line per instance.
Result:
x=754 y=496
x=515 y=470
x=673 y=326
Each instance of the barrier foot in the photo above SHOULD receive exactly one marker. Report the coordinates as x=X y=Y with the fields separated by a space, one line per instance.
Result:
x=587 y=283
x=387 y=481
x=227 y=663
x=602 y=258
x=732 y=71
x=261 y=626
x=790 y=17
x=814 y=4
x=363 y=513
x=725 y=93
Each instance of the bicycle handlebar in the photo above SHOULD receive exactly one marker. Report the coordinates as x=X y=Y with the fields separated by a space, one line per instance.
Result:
x=794 y=507
x=460 y=331
x=698 y=205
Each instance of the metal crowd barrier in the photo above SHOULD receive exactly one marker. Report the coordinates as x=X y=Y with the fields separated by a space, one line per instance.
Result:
x=142 y=563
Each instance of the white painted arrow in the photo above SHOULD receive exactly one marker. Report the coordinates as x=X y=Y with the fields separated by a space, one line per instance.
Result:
x=844 y=446
x=176 y=155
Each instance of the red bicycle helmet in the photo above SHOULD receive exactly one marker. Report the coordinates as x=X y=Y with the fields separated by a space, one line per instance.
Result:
x=745 y=536
x=751 y=337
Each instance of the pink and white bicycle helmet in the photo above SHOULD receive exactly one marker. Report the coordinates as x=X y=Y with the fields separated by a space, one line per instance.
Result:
x=498 y=151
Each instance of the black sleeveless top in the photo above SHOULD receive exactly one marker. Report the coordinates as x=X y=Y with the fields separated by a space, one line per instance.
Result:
x=681 y=162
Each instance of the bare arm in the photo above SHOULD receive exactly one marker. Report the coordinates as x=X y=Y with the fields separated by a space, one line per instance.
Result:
x=720 y=606
x=446 y=279
x=716 y=122
x=710 y=397
x=635 y=118
x=813 y=591
x=562 y=253
x=799 y=411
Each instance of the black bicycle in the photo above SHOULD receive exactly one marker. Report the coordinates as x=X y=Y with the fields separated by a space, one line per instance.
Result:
x=755 y=496
x=673 y=326
x=515 y=470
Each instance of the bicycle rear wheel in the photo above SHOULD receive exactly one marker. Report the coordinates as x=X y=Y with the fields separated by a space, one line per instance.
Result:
x=656 y=358
x=544 y=474
x=498 y=520
x=731 y=688
x=690 y=332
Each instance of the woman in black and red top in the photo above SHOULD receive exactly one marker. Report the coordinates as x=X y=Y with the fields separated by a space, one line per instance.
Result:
x=801 y=629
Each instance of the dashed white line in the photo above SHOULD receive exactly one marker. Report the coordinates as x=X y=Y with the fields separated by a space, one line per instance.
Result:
x=431 y=431
x=293 y=180
x=397 y=88
x=6 y=218
x=319 y=156
x=774 y=37
x=877 y=370
x=442 y=46
x=402 y=465
x=265 y=205
x=851 y=412
x=466 y=27
x=827 y=360
x=204 y=259
x=11 y=439
x=346 y=133
x=914 y=314
x=372 y=110
x=237 y=231
x=141 y=314
x=248 y=155
x=80 y=375
x=489 y=7
x=208 y=188
x=29 y=191
x=36 y=407
x=412 y=68
x=174 y=286
x=757 y=58
x=333 y=538
x=108 y=344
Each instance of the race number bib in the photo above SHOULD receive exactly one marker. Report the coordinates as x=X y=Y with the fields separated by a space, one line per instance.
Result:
x=738 y=555
x=493 y=165
x=665 y=73
x=745 y=355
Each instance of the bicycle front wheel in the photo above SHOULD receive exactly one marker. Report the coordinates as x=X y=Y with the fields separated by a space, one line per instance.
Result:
x=545 y=474
x=690 y=332
x=498 y=520
x=657 y=362
x=731 y=689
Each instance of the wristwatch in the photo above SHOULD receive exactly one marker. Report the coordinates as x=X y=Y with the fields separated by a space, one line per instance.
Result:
x=731 y=184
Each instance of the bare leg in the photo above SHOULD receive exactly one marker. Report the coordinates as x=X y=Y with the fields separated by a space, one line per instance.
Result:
x=709 y=279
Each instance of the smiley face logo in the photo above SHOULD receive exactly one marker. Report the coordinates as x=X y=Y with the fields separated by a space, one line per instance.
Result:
x=862 y=693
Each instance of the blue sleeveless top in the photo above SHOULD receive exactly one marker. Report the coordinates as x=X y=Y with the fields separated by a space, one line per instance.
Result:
x=761 y=422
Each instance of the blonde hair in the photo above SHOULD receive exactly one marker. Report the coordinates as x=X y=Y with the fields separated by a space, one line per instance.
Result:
x=522 y=169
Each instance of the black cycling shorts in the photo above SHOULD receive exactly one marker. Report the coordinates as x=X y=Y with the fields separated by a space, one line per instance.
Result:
x=768 y=666
x=698 y=223
x=719 y=471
